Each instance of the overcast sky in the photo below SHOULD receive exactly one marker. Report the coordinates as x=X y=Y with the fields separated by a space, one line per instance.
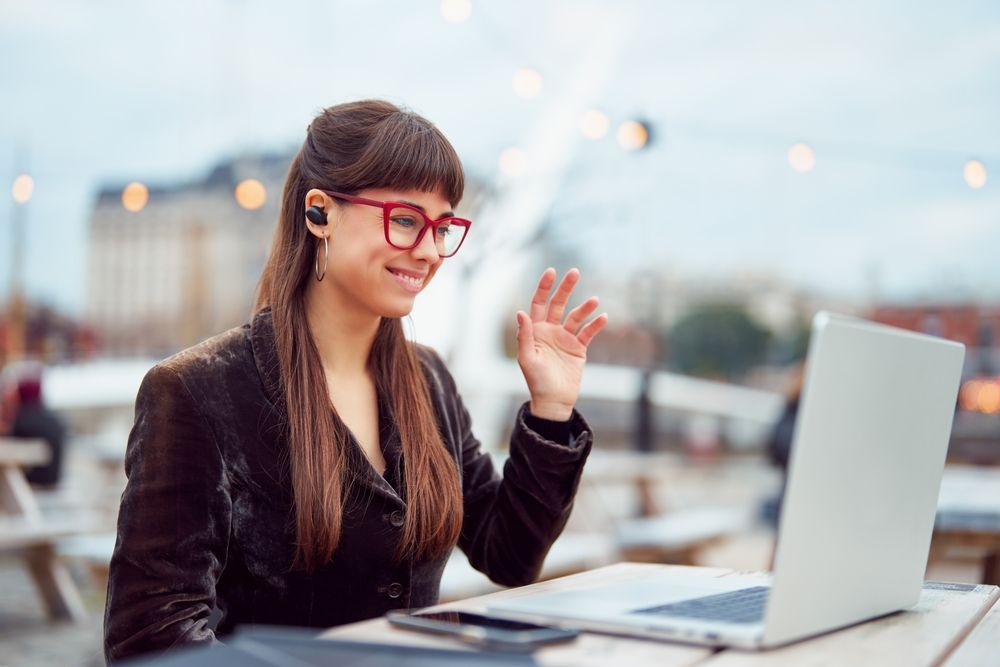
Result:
x=893 y=99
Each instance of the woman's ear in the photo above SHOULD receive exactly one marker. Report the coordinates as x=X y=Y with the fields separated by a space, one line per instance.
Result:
x=318 y=212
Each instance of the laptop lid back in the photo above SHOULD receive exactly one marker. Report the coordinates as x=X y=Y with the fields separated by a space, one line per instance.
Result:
x=863 y=478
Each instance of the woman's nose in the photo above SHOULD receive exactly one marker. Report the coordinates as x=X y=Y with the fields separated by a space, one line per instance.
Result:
x=426 y=248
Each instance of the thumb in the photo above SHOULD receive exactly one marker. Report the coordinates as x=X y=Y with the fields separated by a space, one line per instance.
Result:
x=525 y=334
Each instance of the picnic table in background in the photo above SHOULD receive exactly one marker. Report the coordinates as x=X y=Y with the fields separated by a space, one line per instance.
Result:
x=968 y=518
x=26 y=531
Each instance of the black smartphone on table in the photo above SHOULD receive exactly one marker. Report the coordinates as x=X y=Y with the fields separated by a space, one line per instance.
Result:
x=485 y=631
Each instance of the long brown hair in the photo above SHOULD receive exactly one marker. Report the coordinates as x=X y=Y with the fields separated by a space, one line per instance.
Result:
x=349 y=148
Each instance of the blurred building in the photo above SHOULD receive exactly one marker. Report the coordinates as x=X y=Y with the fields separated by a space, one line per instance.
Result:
x=660 y=297
x=977 y=326
x=185 y=265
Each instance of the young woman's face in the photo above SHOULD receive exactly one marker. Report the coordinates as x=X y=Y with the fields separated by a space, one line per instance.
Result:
x=368 y=272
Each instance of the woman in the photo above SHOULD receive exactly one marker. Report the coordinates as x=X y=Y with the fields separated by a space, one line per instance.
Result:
x=314 y=468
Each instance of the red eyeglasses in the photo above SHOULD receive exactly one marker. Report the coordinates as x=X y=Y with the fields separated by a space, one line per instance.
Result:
x=405 y=225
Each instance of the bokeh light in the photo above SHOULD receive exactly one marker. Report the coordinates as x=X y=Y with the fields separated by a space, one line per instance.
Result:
x=134 y=197
x=988 y=398
x=250 y=194
x=968 y=397
x=632 y=135
x=594 y=124
x=975 y=174
x=980 y=395
x=23 y=188
x=456 y=11
x=513 y=161
x=801 y=158
x=527 y=83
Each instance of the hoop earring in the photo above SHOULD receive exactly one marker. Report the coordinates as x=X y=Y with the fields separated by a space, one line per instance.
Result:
x=326 y=260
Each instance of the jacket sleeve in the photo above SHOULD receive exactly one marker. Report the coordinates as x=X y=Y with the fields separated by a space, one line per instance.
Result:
x=511 y=522
x=173 y=525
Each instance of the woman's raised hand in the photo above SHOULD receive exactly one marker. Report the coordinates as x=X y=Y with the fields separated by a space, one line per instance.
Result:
x=552 y=351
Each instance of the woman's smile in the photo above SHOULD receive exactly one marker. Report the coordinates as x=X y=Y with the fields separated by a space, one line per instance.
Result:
x=411 y=281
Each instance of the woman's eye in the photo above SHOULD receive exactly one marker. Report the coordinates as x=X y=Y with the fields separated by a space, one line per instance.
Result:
x=444 y=230
x=404 y=221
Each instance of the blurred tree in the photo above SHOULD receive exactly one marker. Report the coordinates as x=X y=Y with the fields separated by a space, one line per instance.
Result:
x=717 y=340
x=790 y=347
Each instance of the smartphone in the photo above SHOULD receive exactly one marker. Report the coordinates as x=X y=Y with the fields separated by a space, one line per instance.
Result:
x=485 y=631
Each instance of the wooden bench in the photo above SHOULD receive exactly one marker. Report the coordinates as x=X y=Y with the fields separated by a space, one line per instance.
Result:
x=680 y=536
x=972 y=536
x=93 y=551
x=646 y=532
x=25 y=531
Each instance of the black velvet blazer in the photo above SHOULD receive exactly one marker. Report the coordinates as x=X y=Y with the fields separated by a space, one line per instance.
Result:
x=206 y=518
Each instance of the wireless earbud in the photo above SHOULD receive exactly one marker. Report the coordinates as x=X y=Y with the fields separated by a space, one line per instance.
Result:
x=316 y=215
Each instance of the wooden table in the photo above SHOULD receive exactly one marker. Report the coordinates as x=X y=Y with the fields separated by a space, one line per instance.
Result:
x=23 y=529
x=924 y=635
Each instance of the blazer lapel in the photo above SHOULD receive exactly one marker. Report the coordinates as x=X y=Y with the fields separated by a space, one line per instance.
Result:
x=265 y=353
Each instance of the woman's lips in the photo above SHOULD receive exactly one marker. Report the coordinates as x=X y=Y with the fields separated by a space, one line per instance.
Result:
x=411 y=282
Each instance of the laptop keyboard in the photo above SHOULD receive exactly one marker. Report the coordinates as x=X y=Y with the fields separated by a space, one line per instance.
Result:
x=743 y=606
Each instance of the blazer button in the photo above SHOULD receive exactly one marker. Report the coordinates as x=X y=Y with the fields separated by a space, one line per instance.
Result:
x=396 y=519
x=395 y=590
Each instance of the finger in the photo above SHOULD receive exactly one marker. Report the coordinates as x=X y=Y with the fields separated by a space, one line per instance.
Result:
x=559 y=300
x=525 y=334
x=593 y=328
x=579 y=314
x=541 y=296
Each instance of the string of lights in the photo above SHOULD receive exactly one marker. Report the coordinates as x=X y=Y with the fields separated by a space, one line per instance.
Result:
x=631 y=134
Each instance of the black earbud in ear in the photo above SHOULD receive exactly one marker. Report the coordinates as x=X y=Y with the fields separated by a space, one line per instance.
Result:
x=316 y=215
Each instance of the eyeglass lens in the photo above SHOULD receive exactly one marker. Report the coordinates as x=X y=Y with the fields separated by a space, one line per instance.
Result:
x=405 y=225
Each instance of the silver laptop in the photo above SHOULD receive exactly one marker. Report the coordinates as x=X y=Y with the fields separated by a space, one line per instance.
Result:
x=856 y=521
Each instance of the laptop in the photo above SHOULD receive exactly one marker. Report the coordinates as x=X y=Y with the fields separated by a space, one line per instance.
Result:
x=867 y=457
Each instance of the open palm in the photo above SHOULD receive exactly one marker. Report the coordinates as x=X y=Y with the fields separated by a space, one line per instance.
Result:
x=552 y=352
